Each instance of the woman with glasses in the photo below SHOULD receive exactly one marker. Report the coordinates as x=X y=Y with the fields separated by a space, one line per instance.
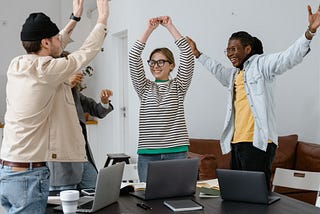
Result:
x=162 y=126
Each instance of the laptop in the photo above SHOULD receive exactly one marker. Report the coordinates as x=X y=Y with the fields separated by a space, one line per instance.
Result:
x=107 y=190
x=244 y=186
x=170 y=178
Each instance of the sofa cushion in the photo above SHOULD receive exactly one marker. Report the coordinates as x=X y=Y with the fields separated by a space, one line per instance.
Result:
x=208 y=147
x=207 y=164
x=285 y=153
x=307 y=158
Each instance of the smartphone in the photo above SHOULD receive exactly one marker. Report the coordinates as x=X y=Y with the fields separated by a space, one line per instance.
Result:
x=89 y=192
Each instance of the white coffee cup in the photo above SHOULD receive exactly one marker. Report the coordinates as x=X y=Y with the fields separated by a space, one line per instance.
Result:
x=69 y=200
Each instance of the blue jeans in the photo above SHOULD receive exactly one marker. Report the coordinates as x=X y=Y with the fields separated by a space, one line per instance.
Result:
x=89 y=176
x=65 y=187
x=88 y=179
x=143 y=161
x=24 y=191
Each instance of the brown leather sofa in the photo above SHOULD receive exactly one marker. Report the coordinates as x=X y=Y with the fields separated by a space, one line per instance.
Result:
x=291 y=154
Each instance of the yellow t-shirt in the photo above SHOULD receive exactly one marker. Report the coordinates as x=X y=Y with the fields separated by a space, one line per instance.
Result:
x=243 y=117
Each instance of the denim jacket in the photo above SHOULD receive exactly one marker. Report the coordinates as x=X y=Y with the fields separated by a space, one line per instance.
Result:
x=259 y=79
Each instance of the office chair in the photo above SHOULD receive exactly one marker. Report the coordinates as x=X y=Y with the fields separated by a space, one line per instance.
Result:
x=297 y=179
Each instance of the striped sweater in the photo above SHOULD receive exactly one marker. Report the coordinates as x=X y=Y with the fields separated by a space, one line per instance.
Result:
x=162 y=121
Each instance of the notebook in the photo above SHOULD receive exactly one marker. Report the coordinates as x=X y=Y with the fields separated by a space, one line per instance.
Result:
x=183 y=205
x=244 y=186
x=170 y=178
x=107 y=190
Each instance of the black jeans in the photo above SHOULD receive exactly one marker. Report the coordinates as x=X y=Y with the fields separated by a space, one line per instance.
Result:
x=244 y=156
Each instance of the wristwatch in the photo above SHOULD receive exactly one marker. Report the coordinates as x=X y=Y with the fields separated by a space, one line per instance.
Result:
x=75 y=18
x=309 y=31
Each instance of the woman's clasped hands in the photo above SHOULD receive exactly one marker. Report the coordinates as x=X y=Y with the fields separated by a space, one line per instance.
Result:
x=160 y=20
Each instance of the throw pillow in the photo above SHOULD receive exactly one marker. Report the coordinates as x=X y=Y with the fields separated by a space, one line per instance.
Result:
x=308 y=157
x=207 y=164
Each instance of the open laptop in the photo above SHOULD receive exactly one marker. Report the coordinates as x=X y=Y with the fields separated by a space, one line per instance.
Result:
x=244 y=186
x=170 y=178
x=107 y=190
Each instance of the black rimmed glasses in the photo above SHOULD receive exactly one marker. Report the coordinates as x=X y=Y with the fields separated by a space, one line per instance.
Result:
x=159 y=62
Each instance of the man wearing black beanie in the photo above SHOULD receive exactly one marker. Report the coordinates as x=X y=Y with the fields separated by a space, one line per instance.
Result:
x=41 y=122
x=38 y=26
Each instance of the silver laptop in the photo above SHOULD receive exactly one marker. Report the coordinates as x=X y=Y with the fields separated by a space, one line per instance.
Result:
x=107 y=190
x=170 y=178
x=244 y=186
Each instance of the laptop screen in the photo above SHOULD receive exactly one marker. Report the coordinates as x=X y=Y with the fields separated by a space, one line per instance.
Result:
x=171 y=178
x=245 y=186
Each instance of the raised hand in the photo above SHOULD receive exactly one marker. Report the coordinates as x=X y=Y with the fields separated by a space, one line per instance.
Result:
x=103 y=11
x=77 y=8
x=314 y=19
x=104 y=95
x=193 y=47
x=165 y=21
x=153 y=23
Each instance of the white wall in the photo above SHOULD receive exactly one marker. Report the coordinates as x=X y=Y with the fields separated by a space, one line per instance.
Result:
x=210 y=23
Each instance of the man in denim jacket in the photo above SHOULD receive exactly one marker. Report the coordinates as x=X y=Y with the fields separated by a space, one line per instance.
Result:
x=250 y=131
